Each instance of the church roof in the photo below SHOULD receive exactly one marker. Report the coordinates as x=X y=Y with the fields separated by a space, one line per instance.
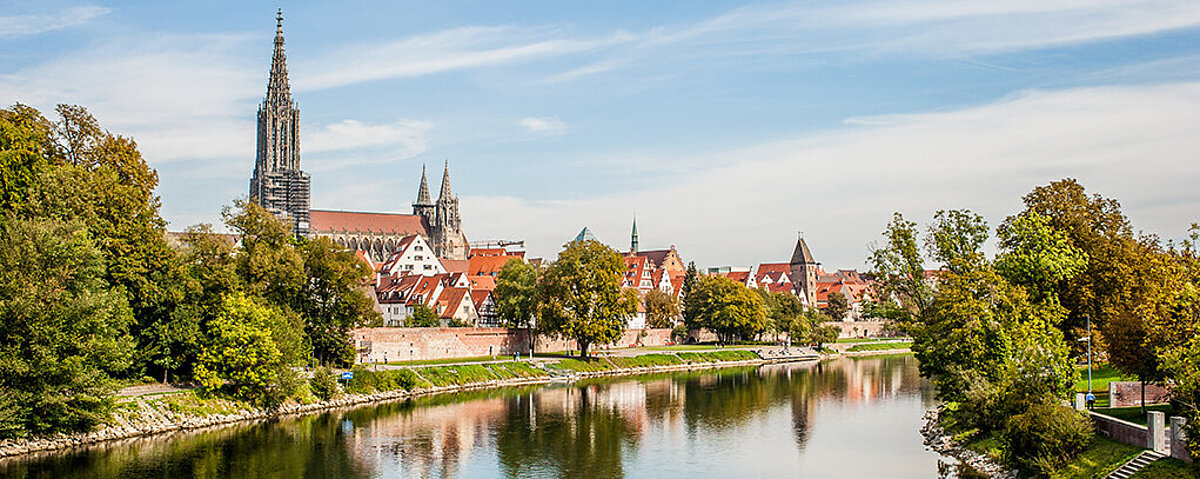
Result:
x=801 y=255
x=353 y=221
x=585 y=235
x=446 y=193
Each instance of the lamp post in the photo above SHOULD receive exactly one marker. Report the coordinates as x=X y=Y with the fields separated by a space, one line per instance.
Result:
x=1089 y=340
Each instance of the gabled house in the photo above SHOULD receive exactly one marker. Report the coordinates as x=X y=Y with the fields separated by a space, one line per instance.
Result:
x=414 y=256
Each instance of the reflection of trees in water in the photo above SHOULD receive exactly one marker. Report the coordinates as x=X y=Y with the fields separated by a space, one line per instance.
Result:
x=583 y=439
x=305 y=447
x=582 y=430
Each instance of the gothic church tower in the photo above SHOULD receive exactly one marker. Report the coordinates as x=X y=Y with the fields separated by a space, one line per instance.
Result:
x=278 y=184
x=803 y=273
x=442 y=219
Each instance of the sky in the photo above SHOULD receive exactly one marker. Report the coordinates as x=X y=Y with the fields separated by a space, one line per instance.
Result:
x=725 y=128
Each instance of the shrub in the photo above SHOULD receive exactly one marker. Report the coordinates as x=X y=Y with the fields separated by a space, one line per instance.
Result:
x=366 y=381
x=679 y=334
x=457 y=375
x=323 y=384
x=1044 y=438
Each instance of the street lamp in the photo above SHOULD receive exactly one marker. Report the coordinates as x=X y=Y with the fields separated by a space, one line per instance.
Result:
x=1089 y=350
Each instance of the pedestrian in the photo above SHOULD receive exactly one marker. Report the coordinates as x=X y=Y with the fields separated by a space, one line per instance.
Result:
x=1091 y=400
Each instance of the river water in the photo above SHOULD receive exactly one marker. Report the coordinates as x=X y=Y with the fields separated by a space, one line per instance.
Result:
x=847 y=418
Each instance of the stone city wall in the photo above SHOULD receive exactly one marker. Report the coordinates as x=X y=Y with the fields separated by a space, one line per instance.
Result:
x=418 y=344
x=858 y=329
x=1129 y=393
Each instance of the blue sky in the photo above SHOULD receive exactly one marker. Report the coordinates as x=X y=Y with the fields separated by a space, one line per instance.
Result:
x=726 y=127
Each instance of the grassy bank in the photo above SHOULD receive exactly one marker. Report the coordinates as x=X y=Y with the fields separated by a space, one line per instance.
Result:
x=879 y=346
x=1168 y=469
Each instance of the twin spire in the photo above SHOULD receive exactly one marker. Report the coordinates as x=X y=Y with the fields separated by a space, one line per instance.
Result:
x=423 y=197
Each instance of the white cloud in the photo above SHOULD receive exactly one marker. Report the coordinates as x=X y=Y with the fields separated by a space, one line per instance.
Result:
x=354 y=134
x=442 y=51
x=544 y=126
x=1133 y=143
x=22 y=25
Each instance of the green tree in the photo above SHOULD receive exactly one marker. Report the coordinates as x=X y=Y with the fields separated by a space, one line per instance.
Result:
x=580 y=296
x=24 y=151
x=689 y=281
x=662 y=310
x=899 y=271
x=268 y=263
x=334 y=299
x=63 y=329
x=727 y=308
x=1036 y=256
x=836 y=305
x=249 y=352
x=956 y=237
x=1182 y=363
x=516 y=294
x=422 y=317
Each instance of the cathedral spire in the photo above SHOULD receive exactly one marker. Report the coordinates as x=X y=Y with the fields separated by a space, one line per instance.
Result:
x=279 y=92
x=633 y=239
x=446 y=193
x=423 y=194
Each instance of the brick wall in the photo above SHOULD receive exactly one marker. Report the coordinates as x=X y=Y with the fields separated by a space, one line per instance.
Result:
x=852 y=329
x=404 y=344
x=1129 y=393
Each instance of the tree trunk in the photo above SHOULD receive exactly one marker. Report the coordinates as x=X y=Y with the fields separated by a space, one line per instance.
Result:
x=583 y=349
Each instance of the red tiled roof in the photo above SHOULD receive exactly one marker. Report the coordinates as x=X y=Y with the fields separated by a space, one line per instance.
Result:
x=478 y=296
x=452 y=298
x=333 y=221
x=455 y=265
x=739 y=276
x=486 y=265
x=488 y=252
x=482 y=283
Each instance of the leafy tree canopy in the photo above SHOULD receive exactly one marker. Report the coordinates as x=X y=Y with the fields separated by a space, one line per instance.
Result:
x=580 y=296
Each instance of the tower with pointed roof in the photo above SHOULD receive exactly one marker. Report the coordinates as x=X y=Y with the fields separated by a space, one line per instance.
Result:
x=278 y=184
x=424 y=206
x=803 y=273
x=633 y=240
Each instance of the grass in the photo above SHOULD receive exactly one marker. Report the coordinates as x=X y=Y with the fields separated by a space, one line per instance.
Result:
x=864 y=340
x=878 y=347
x=456 y=375
x=1169 y=468
x=515 y=369
x=583 y=365
x=1102 y=374
x=202 y=405
x=718 y=356
x=1101 y=457
x=695 y=347
x=645 y=360
x=366 y=381
x=1134 y=414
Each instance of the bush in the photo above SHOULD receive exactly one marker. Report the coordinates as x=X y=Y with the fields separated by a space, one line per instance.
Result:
x=679 y=334
x=457 y=375
x=1044 y=438
x=366 y=381
x=323 y=384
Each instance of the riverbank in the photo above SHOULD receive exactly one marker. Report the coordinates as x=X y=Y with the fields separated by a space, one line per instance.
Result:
x=165 y=413
x=942 y=442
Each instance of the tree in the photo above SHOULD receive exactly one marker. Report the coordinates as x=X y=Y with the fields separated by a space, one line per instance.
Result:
x=63 y=329
x=662 y=310
x=956 y=237
x=899 y=270
x=836 y=305
x=422 y=317
x=1182 y=363
x=515 y=294
x=24 y=151
x=1036 y=256
x=727 y=308
x=248 y=352
x=268 y=263
x=334 y=299
x=580 y=296
x=689 y=281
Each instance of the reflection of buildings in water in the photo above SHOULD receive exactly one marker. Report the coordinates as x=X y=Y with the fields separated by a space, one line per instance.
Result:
x=626 y=398
x=428 y=440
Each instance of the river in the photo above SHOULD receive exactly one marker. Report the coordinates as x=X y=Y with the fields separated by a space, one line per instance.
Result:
x=846 y=418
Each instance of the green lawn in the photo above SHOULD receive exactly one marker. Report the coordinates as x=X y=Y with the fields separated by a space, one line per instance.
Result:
x=864 y=340
x=878 y=347
x=696 y=347
x=1100 y=458
x=1168 y=469
x=1102 y=374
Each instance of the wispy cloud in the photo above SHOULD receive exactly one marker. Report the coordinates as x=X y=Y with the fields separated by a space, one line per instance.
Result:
x=544 y=126
x=354 y=134
x=23 y=25
x=841 y=186
x=442 y=51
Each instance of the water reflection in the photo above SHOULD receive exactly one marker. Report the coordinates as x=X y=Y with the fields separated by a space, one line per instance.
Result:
x=844 y=418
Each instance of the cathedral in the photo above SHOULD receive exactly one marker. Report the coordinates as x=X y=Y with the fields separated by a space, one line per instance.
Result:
x=279 y=186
